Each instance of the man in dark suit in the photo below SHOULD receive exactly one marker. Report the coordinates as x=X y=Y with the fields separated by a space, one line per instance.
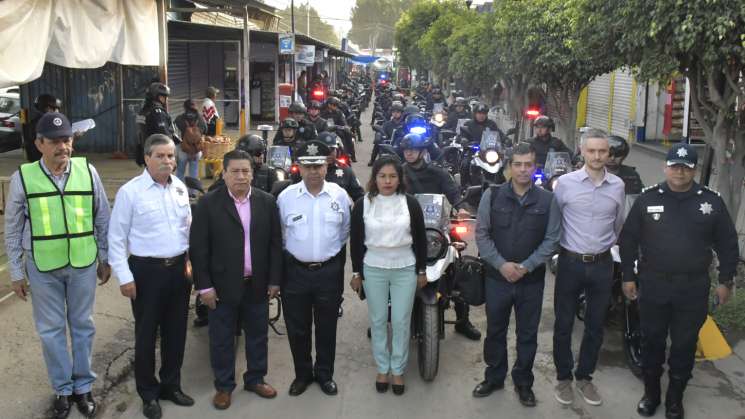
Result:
x=236 y=254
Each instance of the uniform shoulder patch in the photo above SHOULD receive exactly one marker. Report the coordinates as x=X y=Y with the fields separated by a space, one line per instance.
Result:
x=651 y=188
x=706 y=188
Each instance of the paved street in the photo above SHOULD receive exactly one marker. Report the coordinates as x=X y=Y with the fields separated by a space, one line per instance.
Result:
x=717 y=389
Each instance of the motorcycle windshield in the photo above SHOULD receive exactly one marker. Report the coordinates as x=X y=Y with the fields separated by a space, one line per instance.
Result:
x=490 y=141
x=436 y=210
x=557 y=164
x=438 y=107
x=461 y=124
x=279 y=156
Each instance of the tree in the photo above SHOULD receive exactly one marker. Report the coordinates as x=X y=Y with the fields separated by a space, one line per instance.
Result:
x=373 y=22
x=435 y=43
x=411 y=27
x=318 y=29
x=703 y=40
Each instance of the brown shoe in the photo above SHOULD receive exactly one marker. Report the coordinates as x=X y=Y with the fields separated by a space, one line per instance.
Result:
x=221 y=401
x=262 y=389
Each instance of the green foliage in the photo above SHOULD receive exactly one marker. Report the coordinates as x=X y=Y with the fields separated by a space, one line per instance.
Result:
x=411 y=27
x=318 y=29
x=731 y=316
x=373 y=22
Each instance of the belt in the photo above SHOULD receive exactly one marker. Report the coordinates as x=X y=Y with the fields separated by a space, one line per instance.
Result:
x=587 y=258
x=312 y=266
x=167 y=262
x=248 y=278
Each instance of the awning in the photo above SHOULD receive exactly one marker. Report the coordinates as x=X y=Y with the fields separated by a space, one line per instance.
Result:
x=364 y=59
x=75 y=34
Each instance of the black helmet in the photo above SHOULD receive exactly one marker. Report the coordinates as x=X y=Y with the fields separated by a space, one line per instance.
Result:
x=314 y=104
x=415 y=118
x=411 y=109
x=481 y=108
x=251 y=144
x=297 y=107
x=328 y=138
x=397 y=106
x=399 y=97
x=46 y=101
x=413 y=141
x=545 y=122
x=460 y=101
x=618 y=146
x=289 y=123
x=333 y=101
x=158 y=89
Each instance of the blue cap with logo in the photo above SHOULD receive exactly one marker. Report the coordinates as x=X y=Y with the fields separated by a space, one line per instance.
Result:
x=54 y=125
x=682 y=153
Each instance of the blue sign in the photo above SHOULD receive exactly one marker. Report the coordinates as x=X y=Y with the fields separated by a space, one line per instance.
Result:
x=286 y=43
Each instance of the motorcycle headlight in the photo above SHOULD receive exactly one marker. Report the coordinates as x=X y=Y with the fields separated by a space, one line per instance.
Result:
x=491 y=157
x=438 y=117
x=418 y=130
x=437 y=245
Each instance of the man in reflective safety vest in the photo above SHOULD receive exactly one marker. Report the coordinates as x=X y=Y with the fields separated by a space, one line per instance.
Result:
x=56 y=221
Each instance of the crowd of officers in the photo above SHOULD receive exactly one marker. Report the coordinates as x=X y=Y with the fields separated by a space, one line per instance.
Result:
x=60 y=235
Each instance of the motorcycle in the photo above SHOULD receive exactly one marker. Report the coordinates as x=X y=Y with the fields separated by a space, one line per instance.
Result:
x=486 y=161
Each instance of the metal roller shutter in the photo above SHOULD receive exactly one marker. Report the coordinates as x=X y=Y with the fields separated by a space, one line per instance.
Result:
x=598 y=101
x=621 y=103
x=178 y=76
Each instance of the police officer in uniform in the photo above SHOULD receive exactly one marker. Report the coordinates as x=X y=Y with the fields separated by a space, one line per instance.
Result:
x=422 y=177
x=389 y=127
x=306 y=130
x=474 y=129
x=43 y=104
x=671 y=230
x=332 y=111
x=543 y=142
x=157 y=120
x=459 y=111
x=263 y=175
x=339 y=172
x=288 y=135
x=314 y=116
x=619 y=150
x=315 y=218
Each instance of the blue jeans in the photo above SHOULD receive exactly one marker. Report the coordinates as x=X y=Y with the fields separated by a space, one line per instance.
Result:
x=400 y=285
x=596 y=280
x=183 y=160
x=61 y=298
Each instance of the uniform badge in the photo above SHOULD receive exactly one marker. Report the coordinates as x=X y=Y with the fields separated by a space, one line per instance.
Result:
x=179 y=191
x=57 y=122
x=656 y=216
x=339 y=173
x=335 y=206
x=682 y=152
x=654 y=209
x=312 y=150
x=705 y=208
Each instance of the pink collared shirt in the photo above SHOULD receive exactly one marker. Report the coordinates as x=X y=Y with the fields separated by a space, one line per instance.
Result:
x=244 y=212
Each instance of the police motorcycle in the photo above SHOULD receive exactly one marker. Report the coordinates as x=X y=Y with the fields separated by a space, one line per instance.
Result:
x=385 y=143
x=339 y=131
x=279 y=158
x=486 y=160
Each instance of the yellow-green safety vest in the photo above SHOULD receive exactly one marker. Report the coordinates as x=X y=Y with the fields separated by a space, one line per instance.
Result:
x=61 y=221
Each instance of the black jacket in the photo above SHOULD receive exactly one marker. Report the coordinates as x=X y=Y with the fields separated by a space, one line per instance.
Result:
x=543 y=145
x=418 y=234
x=431 y=179
x=216 y=246
x=474 y=130
x=344 y=176
x=320 y=124
x=158 y=121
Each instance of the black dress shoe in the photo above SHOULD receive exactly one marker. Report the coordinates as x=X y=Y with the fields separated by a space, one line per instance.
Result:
x=485 y=388
x=381 y=387
x=647 y=406
x=465 y=328
x=151 y=409
x=299 y=386
x=674 y=410
x=328 y=387
x=398 y=389
x=177 y=397
x=61 y=407
x=86 y=404
x=526 y=395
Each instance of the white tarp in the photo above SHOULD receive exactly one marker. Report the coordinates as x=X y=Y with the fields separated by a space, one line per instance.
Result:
x=74 y=34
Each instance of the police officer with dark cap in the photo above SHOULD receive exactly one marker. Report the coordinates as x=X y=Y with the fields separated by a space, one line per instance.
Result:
x=422 y=177
x=287 y=134
x=306 y=130
x=671 y=231
x=543 y=142
x=315 y=217
x=619 y=150
x=338 y=171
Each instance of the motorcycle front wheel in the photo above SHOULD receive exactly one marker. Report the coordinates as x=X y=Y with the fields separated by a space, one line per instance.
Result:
x=429 y=341
x=632 y=337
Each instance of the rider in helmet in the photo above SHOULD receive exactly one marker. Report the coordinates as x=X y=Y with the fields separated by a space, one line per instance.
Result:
x=157 y=120
x=44 y=103
x=474 y=129
x=422 y=177
x=395 y=123
x=287 y=135
x=543 y=142
x=458 y=111
x=436 y=98
x=332 y=111
x=619 y=150
x=263 y=175
x=416 y=124
x=314 y=116
x=338 y=171
x=306 y=130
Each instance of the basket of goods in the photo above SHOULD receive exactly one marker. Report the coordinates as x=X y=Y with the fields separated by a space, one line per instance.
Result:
x=216 y=147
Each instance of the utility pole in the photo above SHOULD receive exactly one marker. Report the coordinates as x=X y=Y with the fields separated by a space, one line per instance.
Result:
x=307 y=15
x=293 y=81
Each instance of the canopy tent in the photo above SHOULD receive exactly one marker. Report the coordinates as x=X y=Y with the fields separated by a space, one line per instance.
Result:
x=364 y=59
x=75 y=34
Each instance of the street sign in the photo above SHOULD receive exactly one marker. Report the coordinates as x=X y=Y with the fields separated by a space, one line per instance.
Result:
x=306 y=54
x=286 y=43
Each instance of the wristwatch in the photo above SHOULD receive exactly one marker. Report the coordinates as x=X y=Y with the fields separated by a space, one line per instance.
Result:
x=421 y=273
x=356 y=275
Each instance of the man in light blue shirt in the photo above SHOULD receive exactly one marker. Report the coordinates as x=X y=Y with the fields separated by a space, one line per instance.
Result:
x=592 y=203
x=315 y=219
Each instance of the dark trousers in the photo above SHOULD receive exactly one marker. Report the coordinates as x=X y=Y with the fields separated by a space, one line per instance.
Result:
x=596 y=280
x=526 y=296
x=253 y=317
x=348 y=141
x=677 y=306
x=312 y=297
x=162 y=303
